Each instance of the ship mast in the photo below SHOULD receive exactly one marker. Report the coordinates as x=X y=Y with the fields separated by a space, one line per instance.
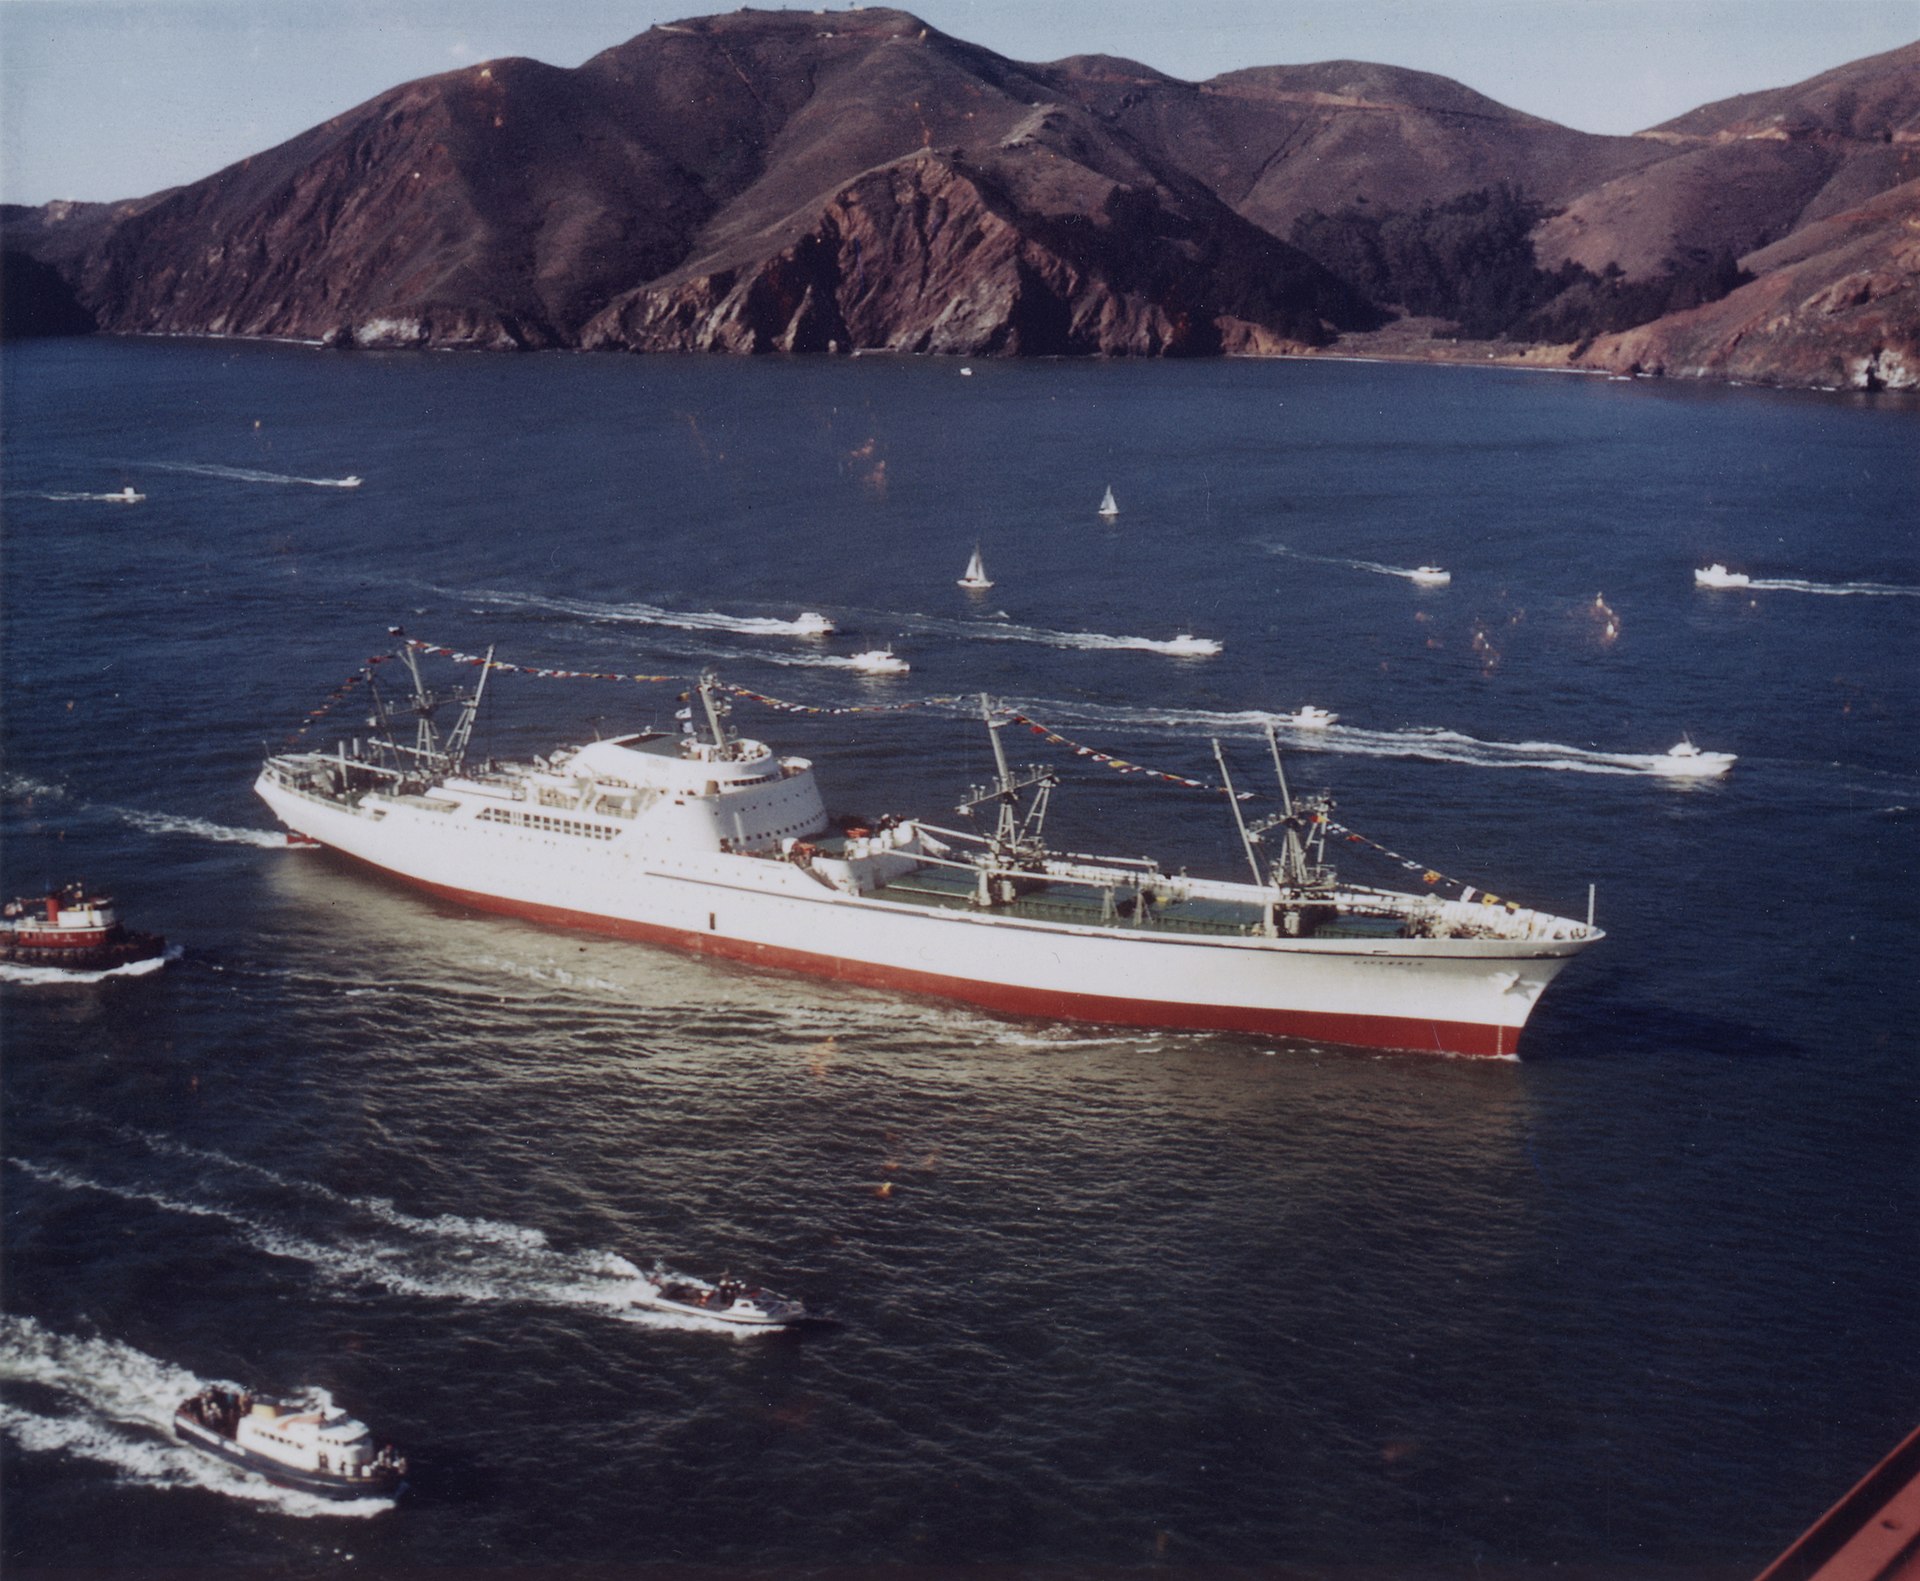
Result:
x=1016 y=837
x=1302 y=863
x=426 y=755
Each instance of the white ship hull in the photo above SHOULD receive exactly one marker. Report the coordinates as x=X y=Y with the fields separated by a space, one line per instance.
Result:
x=1463 y=995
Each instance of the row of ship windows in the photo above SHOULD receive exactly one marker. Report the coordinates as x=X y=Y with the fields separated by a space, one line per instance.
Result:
x=536 y=820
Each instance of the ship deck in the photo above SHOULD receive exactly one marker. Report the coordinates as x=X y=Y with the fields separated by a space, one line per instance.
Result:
x=1087 y=905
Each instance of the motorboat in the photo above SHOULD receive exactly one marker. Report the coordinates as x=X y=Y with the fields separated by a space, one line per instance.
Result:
x=1109 y=507
x=1683 y=760
x=351 y=481
x=74 y=930
x=307 y=1444
x=1188 y=646
x=879 y=661
x=811 y=623
x=127 y=496
x=1309 y=718
x=975 y=579
x=1717 y=575
x=1430 y=576
x=727 y=1301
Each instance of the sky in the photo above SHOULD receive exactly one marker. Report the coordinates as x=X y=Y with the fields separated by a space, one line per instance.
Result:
x=105 y=99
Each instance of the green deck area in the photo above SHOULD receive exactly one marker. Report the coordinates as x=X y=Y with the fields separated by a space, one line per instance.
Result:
x=1084 y=904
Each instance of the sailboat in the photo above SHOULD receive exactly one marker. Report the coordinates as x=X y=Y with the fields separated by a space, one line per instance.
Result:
x=1109 y=508
x=976 y=579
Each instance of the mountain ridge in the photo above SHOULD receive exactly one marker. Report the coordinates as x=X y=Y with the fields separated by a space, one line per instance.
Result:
x=797 y=181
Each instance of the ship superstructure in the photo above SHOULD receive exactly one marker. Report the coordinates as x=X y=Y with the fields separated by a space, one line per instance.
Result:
x=707 y=841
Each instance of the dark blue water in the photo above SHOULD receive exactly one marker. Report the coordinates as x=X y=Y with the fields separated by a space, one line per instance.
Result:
x=1640 y=1303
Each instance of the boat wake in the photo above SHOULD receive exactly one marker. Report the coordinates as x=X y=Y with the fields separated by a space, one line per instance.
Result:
x=1433 y=745
x=69 y=497
x=52 y=976
x=1783 y=584
x=199 y=828
x=103 y=1401
x=374 y=1244
x=639 y=614
x=1422 y=575
x=212 y=469
x=20 y=788
x=766 y=626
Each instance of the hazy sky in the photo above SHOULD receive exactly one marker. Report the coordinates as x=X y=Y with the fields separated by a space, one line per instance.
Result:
x=105 y=99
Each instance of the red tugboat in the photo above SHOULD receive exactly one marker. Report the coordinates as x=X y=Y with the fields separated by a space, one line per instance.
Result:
x=71 y=929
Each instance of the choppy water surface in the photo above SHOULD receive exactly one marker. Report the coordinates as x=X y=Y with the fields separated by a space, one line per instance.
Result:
x=1639 y=1302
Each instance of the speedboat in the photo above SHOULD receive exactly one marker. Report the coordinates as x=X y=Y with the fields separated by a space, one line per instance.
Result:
x=728 y=1301
x=1430 y=576
x=879 y=661
x=1186 y=645
x=71 y=929
x=810 y=623
x=1717 y=575
x=127 y=496
x=307 y=1444
x=1309 y=718
x=352 y=481
x=1683 y=760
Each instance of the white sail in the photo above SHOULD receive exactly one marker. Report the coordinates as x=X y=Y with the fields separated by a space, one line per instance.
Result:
x=1108 y=506
x=975 y=575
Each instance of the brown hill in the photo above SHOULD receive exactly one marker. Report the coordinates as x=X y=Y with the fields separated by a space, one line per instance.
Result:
x=514 y=204
x=1277 y=141
x=813 y=181
x=1747 y=171
x=1835 y=306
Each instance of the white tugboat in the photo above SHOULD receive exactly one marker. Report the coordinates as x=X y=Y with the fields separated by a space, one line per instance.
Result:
x=711 y=843
x=304 y=1444
x=727 y=1301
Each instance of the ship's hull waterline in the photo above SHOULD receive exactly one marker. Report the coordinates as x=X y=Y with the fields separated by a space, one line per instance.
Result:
x=1466 y=996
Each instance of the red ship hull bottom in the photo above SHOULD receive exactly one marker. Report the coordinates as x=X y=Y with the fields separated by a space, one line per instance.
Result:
x=1400 y=1033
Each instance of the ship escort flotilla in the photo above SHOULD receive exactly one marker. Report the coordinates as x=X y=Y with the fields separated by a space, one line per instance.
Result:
x=708 y=841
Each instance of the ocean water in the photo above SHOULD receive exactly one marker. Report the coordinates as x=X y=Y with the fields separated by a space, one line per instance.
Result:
x=1638 y=1303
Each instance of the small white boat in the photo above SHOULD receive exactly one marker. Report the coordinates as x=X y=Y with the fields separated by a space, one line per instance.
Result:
x=1109 y=507
x=1683 y=760
x=879 y=661
x=1430 y=576
x=307 y=1444
x=728 y=1301
x=1188 y=646
x=127 y=496
x=1309 y=718
x=975 y=578
x=966 y=373
x=1717 y=575
x=351 y=481
x=810 y=623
